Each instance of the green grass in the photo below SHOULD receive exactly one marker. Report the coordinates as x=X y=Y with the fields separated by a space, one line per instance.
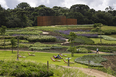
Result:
x=108 y=37
x=97 y=40
x=80 y=32
x=112 y=36
x=108 y=28
x=41 y=57
x=60 y=27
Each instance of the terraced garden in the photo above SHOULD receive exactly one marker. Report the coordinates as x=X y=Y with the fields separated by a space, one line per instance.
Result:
x=32 y=39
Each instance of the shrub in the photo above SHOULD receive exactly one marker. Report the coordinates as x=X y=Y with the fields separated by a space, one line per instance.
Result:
x=109 y=32
x=41 y=38
x=23 y=69
x=83 y=50
x=95 y=30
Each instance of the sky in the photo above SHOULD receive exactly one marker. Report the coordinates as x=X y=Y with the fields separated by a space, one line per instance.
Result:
x=93 y=4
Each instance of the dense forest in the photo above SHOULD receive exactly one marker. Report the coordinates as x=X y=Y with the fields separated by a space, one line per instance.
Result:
x=24 y=15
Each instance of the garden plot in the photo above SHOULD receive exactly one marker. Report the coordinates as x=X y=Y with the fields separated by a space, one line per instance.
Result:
x=92 y=60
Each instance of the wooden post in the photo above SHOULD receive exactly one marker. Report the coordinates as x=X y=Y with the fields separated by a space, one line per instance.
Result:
x=89 y=62
x=47 y=65
x=4 y=41
x=18 y=48
x=100 y=34
x=68 y=61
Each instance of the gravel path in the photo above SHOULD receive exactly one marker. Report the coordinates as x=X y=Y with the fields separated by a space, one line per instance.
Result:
x=91 y=72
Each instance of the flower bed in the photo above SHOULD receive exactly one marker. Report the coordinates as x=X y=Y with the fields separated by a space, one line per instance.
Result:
x=87 y=35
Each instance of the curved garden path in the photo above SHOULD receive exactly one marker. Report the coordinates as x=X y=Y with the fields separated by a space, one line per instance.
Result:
x=91 y=72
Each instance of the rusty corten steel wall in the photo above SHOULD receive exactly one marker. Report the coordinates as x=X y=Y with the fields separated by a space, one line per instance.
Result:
x=55 y=20
x=71 y=21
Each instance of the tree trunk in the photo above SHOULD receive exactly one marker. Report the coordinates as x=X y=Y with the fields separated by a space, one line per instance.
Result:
x=72 y=54
x=12 y=48
x=4 y=42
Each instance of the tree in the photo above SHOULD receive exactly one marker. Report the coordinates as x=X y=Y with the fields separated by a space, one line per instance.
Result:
x=79 y=8
x=76 y=15
x=46 y=12
x=3 y=18
x=13 y=43
x=42 y=6
x=98 y=29
x=3 y=31
x=72 y=37
x=23 y=5
x=22 y=17
x=109 y=8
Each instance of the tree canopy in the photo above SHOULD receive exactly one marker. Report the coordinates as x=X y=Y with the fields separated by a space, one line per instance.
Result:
x=25 y=15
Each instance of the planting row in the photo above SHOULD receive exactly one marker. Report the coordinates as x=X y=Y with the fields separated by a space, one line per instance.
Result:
x=92 y=60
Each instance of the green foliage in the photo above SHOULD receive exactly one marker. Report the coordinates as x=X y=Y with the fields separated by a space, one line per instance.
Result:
x=95 y=30
x=25 y=33
x=83 y=50
x=80 y=32
x=108 y=38
x=72 y=49
x=6 y=47
x=109 y=32
x=24 y=45
x=67 y=72
x=97 y=25
x=109 y=49
x=3 y=30
x=92 y=60
x=71 y=39
x=40 y=46
x=83 y=40
x=23 y=5
x=13 y=42
x=6 y=43
x=7 y=37
x=72 y=36
x=24 y=69
x=104 y=42
x=41 y=38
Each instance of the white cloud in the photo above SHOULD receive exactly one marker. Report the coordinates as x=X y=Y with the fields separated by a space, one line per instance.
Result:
x=95 y=4
x=69 y=3
x=3 y=4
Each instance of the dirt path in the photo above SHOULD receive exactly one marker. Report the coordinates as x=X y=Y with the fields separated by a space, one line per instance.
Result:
x=100 y=52
x=91 y=72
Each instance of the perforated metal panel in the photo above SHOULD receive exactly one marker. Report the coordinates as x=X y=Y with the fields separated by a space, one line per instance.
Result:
x=55 y=20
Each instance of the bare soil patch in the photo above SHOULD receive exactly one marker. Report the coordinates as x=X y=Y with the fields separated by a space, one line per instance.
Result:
x=111 y=62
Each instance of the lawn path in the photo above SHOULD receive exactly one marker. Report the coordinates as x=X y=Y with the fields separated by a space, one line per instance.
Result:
x=91 y=72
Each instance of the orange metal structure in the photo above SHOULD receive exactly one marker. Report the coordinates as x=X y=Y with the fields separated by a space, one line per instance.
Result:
x=55 y=20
